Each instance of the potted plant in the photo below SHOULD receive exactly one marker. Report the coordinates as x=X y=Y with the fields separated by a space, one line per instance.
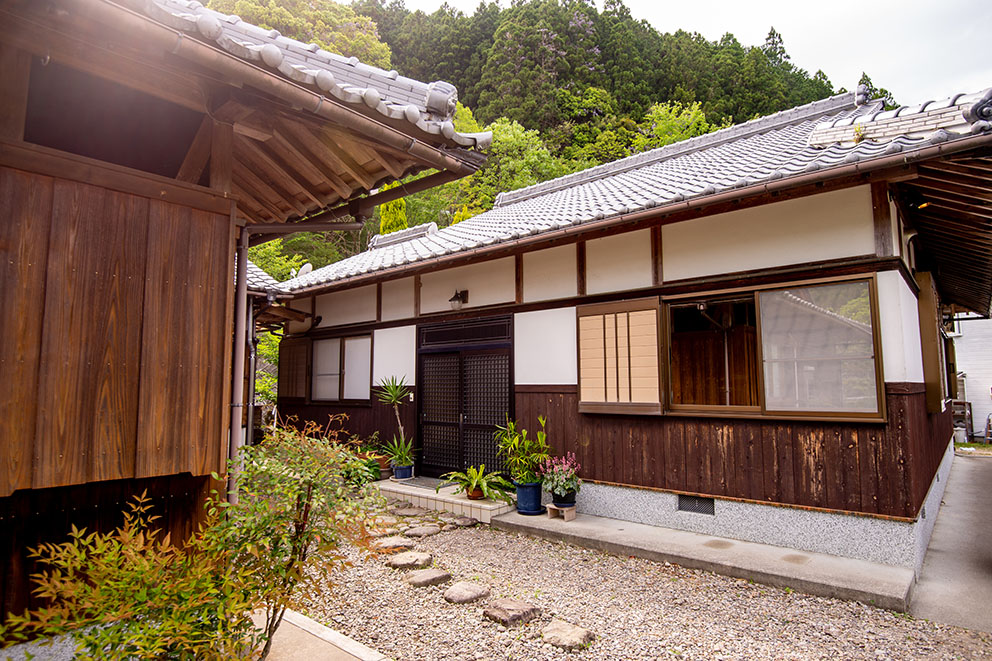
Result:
x=523 y=458
x=477 y=484
x=400 y=453
x=395 y=393
x=560 y=477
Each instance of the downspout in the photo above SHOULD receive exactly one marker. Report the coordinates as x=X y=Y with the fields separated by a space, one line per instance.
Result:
x=252 y=353
x=238 y=386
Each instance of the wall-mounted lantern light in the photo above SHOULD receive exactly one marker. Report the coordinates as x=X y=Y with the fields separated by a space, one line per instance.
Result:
x=459 y=299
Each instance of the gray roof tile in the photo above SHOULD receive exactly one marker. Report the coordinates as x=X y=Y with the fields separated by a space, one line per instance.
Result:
x=759 y=151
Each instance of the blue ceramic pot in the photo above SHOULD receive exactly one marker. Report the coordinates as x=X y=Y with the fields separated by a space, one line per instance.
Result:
x=529 y=498
x=402 y=472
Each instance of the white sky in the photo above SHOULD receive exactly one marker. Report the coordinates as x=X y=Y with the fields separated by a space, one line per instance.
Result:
x=917 y=49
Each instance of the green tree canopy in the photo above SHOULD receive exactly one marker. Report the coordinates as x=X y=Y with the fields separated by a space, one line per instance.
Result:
x=332 y=26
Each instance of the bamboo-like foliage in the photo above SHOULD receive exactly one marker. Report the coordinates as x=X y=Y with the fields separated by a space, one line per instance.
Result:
x=523 y=455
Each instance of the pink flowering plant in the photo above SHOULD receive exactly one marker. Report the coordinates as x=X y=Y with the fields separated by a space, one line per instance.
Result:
x=560 y=475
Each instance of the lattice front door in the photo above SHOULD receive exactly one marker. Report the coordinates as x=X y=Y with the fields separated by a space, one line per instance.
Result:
x=464 y=394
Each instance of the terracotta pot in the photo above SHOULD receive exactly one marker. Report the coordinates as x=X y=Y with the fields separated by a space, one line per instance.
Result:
x=475 y=494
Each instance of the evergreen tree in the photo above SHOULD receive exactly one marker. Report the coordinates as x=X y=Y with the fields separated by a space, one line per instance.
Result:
x=878 y=92
x=392 y=215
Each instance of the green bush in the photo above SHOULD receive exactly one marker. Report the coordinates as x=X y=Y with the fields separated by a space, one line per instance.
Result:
x=131 y=593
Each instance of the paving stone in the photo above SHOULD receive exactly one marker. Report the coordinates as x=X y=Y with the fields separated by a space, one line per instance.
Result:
x=466 y=521
x=420 y=578
x=384 y=532
x=423 y=531
x=409 y=560
x=449 y=527
x=464 y=592
x=567 y=636
x=385 y=520
x=394 y=543
x=511 y=611
x=409 y=510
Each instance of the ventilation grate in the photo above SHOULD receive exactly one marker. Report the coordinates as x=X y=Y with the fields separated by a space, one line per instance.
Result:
x=695 y=504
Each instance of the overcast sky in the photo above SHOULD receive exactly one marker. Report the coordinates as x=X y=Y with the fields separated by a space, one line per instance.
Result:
x=917 y=49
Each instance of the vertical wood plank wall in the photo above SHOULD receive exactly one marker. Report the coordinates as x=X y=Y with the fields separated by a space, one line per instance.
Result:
x=880 y=469
x=112 y=334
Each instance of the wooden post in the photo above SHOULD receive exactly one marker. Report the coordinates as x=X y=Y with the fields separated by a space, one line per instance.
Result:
x=580 y=268
x=221 y=156
x=882 y=218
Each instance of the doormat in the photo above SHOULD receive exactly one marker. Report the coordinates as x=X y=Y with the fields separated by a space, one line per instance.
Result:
x=422 y=482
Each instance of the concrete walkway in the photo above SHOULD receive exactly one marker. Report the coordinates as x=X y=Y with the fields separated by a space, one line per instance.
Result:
x=814 y=573
x=955 y=586
x=299 y=638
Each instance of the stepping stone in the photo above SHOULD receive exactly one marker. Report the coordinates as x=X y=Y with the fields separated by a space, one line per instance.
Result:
x=511 y=611
x=464 y=592
x=423 y=531
x=566 y=636
x=385 y=532
x=448 y=527
x=466 y=521
x=409 y=560
x=394 y=543
x=409 y=510
x=421 y=578
x=384 y=520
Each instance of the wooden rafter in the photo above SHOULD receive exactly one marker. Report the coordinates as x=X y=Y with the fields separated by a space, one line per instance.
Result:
x=273 y=176
x=343 y=159
x=258 y=197
x=289 y=177
x=932 y=183
x=299 y=139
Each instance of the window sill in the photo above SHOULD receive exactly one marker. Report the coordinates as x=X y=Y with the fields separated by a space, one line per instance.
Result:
x=618 y=408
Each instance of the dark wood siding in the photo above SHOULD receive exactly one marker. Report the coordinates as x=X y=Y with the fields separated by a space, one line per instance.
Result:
x=36 y=516
x=859 y=467
x=363 y=419
x=114 y=331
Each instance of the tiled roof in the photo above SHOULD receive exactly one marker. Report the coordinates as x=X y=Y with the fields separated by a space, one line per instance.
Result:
x=260 y=281
x=429 y=106
x=778 y=147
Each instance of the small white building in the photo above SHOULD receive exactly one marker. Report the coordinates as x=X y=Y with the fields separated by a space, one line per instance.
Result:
x=973 y=348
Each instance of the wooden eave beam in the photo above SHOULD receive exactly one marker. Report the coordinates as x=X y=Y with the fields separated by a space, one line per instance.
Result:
x=284 y=171
x=199 y=153
x=971 y=181
x=344 y=160
x=952 y=168
x=251 y=157
x=298 y=146
x=965 y=203
x=940 y=184
x=394 y=168
x=247 y=189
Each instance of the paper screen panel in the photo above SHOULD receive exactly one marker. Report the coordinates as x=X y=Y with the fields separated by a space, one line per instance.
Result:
x=592 y=355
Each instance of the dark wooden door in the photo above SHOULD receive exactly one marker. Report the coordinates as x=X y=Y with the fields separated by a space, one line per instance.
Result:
x=465 y=392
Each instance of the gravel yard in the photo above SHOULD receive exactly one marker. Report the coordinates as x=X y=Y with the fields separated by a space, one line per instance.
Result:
x=637 y=609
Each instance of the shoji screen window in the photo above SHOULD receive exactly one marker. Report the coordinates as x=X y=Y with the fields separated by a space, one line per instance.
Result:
x=618 y=357
x=342 y=369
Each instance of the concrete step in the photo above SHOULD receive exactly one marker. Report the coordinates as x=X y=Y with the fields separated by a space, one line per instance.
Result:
x=818 y=574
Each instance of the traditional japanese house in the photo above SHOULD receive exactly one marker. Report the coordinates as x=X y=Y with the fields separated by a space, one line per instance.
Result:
x=739 y=334
x=141 y=141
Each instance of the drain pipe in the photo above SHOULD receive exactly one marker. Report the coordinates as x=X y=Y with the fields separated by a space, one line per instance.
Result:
x=238 y=378
x=252 y=353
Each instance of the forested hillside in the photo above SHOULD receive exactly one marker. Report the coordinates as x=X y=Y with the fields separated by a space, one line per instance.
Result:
x=562 y=85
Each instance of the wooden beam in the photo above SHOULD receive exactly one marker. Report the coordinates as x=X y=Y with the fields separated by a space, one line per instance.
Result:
x=221 y=156
x=345 y=161
x=416 y=295
x=199 y=153
x=391 y=166
x=983 y=192
x=16 y=67
x=378 y=301
x=882 y=218
x=256 y=168
x=518 y=270
x=656 y=271
x=580 y=268
x=301 y=153
x=951 y=168
x=246 y=191
x=283 y=171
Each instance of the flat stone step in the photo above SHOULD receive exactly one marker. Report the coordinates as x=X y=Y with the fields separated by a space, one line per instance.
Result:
x=394 y=543
x=421 y=578
x=566 y=636
x=409 y=560
x=422 y=531
x=509 y=612
x=464 y=592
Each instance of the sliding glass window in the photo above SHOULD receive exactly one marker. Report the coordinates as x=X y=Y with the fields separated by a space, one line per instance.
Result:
x=818 y=349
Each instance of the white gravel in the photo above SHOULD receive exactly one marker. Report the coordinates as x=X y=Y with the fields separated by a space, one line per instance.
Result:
x=638 y=609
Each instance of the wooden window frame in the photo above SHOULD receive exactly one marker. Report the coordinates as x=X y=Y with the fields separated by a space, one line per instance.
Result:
x=735 y=410
x=649 y=304
x=285 y=345
x=662 y=305
x=343 y=369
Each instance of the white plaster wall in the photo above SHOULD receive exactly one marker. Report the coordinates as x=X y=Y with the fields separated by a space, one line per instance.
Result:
x=303 y=305
x=394 y=353
x=619 y=262
x=899 y=323
x=973 y=350
x=809 y=229
x=349 y=306
x=397 y=299
x=544 y=347
x=550 y=274
x=487 y=283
